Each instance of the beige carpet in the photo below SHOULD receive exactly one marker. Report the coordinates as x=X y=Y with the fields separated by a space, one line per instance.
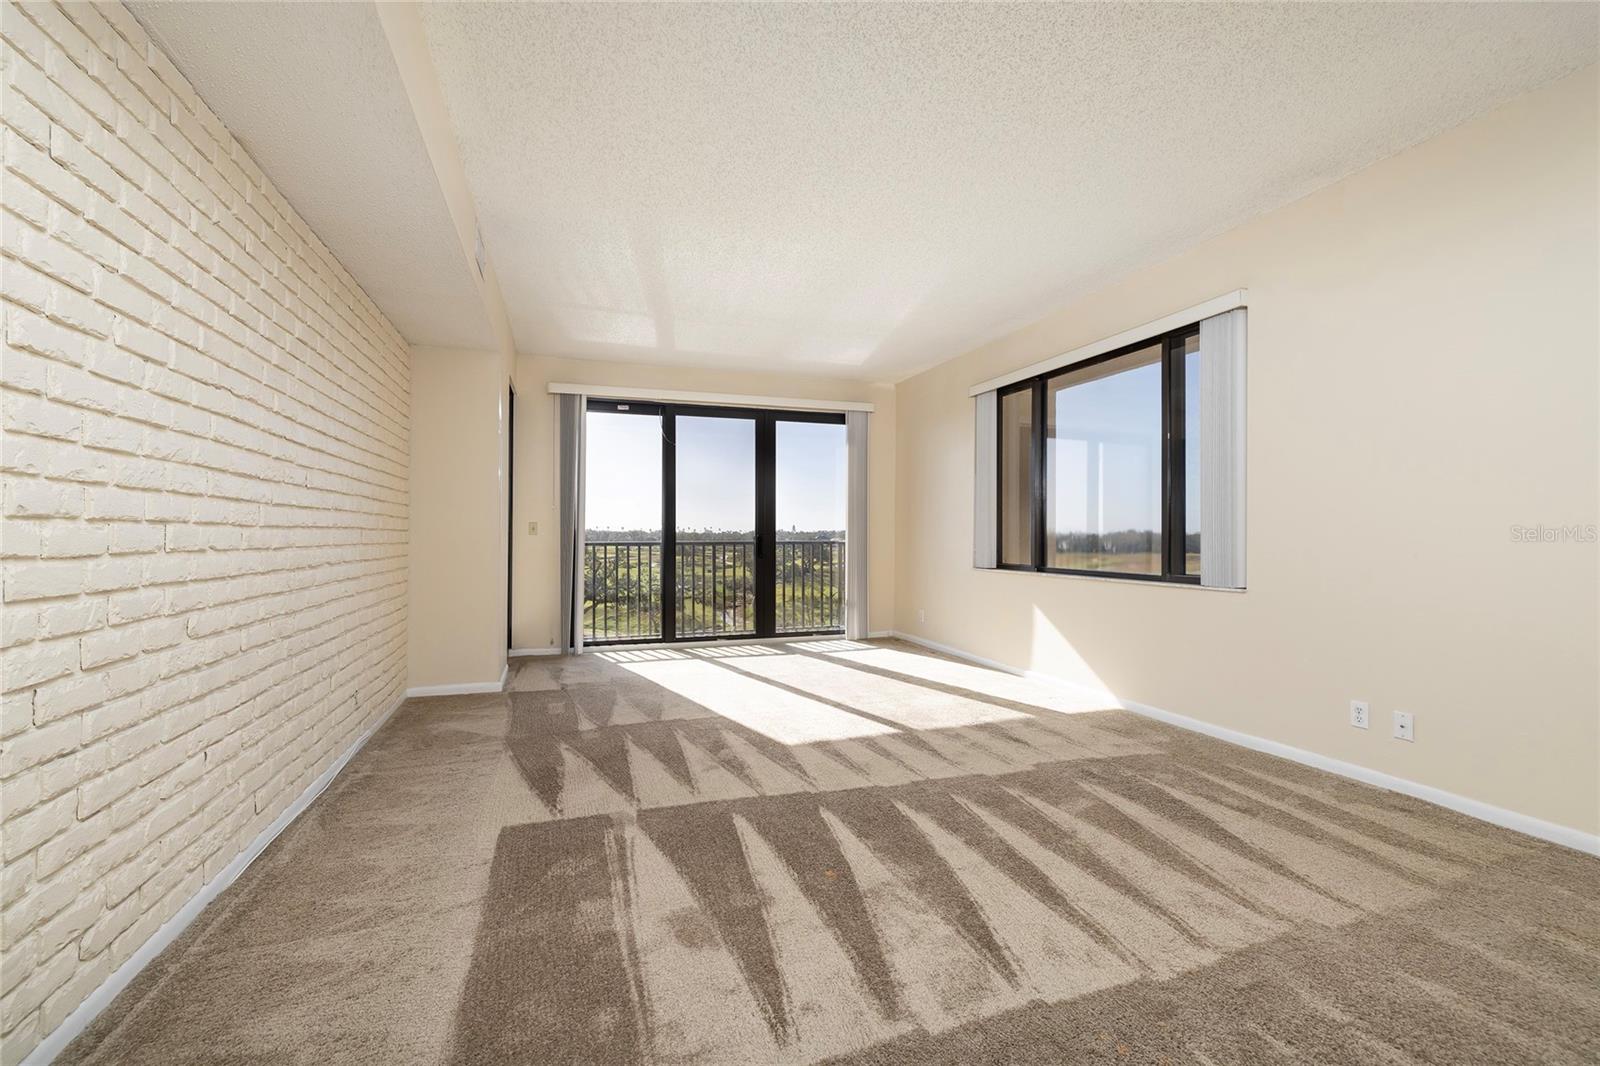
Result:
x=861 y=853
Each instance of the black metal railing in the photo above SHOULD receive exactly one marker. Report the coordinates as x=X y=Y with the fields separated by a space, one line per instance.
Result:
x=716 y=582
x=715 y=589
x=621 y=591
x=810 y=593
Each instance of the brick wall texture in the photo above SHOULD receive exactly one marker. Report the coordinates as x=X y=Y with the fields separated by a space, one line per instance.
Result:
x=203 y=504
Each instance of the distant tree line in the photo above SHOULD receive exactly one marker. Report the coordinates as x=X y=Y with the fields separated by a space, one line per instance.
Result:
x=653 y=536
x=1120 y=542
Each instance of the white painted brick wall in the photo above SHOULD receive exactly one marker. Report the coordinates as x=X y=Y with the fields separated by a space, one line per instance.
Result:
x=203 y=504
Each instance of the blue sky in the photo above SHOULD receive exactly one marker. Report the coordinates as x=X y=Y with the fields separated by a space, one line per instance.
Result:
x=716 y=464
x=716 y=473
x=1122 y=412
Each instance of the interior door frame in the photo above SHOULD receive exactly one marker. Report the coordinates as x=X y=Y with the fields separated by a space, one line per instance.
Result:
x=765 y=587
x=511 y=502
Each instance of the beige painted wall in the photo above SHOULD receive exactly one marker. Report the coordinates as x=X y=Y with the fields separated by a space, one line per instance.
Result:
x=459 y=580
x=458 y=528
x=536 y=564
x=1423 y=377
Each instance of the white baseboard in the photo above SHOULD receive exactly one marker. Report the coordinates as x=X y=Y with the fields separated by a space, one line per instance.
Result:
x=1005 y=668
x=946 y=649
x=1566 y=836
x=97 y=1001
x=466 y=688
x=517 y=653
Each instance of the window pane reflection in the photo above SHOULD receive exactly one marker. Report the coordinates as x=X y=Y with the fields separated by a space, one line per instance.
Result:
x=1103 y=466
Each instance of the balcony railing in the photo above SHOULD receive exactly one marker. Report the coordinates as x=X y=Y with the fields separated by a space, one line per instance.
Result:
x=621 y=591
x=810 y=593
x=715 y=585
x=716 y=582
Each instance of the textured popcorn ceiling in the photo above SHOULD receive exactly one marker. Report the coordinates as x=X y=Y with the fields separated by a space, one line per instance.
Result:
x=861 y=190
x=869 y=190
x=313 y=93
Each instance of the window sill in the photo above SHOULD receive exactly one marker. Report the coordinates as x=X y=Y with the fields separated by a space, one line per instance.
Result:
x=1113 y=579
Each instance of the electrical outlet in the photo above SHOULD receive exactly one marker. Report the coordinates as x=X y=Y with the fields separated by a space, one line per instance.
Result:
x=533 y=529
x=922 y=616
x=1359 y=716
x=1404 y=728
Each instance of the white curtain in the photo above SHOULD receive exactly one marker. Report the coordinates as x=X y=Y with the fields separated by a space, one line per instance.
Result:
x=855 y=528
x=571 y=445
x=1222 y=450
x=985 y=478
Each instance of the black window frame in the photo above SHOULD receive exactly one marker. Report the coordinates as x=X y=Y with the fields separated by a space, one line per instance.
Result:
x=1173 y=504
x=766 y=421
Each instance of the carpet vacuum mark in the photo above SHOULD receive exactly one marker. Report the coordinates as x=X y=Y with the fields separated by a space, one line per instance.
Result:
x=857 y=852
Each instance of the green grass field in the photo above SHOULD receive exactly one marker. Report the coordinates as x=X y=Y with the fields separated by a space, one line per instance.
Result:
x=1119 y=562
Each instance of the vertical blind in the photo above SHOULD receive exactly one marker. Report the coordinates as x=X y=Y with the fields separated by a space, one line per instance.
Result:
x=1222 y=449
x=985 y=480
x=855 y=527
x=570 y=426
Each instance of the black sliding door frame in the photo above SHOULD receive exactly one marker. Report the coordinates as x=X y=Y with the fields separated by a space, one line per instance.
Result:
x=764 y=589
x=766 y=586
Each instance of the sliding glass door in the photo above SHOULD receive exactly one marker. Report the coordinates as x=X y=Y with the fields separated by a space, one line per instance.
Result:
x=715 y=526
x=810 y=500
x=706 y=523
x=624 y=542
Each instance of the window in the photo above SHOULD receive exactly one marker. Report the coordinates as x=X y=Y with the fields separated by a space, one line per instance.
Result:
x=1119 y=494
